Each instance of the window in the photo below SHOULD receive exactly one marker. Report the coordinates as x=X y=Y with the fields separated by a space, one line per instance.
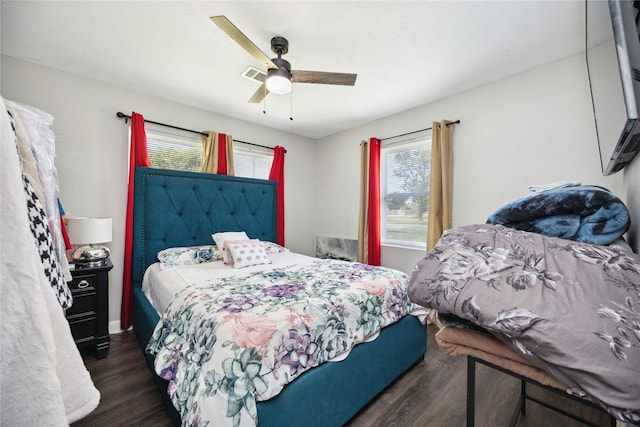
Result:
x=405 y=167
x=184 y=152
x=169 y=151
x=252 y=162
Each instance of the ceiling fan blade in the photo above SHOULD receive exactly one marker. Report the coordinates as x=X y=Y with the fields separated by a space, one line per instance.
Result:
x=259 y=95
x=321 y=77
x=237 y=35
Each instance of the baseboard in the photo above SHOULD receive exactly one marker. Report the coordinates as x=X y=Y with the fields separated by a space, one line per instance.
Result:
x=114 y=327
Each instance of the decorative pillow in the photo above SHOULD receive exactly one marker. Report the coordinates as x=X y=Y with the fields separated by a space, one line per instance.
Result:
x=246 y=253
x=188 y=255
x=273 y=248
x=220 y=238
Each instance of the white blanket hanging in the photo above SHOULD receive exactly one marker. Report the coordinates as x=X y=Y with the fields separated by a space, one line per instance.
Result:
x=44 y=381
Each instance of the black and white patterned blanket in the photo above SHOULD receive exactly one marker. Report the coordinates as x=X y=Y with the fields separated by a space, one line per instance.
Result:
x=44 y=241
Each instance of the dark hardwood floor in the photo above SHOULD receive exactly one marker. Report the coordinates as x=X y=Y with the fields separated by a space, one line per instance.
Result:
x=432 y=393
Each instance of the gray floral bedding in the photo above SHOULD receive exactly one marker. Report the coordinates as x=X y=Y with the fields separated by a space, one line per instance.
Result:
x=571 y=308
x=225 y=343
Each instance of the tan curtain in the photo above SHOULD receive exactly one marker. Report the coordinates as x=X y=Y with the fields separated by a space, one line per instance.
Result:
x=210 y=153
x=441 y=182
x=363 y=234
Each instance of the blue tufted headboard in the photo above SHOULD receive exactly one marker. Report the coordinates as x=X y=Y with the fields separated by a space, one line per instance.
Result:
x=176 y=208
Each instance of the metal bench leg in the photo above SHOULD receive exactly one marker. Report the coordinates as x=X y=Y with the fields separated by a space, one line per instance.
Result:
x=471 y=390
x=523 y=396
x=520 y=409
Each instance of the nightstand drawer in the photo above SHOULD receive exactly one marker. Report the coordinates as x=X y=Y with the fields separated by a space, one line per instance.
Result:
x=84 y=292
x=84 y=283
x=83 y=328
x=83 y=302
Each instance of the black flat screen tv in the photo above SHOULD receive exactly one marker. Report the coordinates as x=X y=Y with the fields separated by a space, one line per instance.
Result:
x=613 y=67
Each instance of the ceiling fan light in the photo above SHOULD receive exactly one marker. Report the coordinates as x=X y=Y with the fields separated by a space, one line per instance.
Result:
x=279 y=81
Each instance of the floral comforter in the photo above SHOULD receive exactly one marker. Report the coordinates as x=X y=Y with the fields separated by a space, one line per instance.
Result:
x=224 y=344
x=571 y=308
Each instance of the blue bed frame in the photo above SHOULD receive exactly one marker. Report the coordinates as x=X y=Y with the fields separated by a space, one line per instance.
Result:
x=174 y=208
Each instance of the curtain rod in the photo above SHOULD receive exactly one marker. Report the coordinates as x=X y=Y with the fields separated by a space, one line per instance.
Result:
x=416 y=131
x=126 y=117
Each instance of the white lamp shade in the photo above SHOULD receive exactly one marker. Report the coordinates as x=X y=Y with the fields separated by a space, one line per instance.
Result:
x=279 y=81
x=86 y=231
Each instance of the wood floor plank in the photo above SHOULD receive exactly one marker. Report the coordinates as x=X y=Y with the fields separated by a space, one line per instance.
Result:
x=432 y=393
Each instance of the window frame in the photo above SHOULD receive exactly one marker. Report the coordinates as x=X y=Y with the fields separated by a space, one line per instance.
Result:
x=423 y=139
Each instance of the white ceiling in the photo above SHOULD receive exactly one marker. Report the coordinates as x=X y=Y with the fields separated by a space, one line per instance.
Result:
x=406 y=53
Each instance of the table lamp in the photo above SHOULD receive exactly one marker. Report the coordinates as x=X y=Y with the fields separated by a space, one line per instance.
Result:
x=87 y=234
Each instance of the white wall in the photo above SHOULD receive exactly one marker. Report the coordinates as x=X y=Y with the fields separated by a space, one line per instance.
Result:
x=631 y=196
x=533 y=128
x=92 y=151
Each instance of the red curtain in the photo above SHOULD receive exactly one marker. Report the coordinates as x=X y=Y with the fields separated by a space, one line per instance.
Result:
x=65 y=235
x=222 y=154
x=277 y=174
x=374 y=202
x=138 y=156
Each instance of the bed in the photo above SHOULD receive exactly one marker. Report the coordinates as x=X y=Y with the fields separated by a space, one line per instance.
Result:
x=181 y=209
x=555 y=312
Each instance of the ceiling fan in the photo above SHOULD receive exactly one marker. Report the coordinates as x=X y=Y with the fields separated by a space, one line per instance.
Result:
x=280 y=76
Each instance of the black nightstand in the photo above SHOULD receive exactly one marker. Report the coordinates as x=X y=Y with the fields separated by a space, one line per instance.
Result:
x=89 y=314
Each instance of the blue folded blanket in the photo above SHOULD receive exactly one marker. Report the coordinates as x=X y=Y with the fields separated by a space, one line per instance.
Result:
x=584 y=213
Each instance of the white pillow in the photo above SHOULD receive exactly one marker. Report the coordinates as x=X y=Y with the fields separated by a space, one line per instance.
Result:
x=220 y=238
x=246 y=253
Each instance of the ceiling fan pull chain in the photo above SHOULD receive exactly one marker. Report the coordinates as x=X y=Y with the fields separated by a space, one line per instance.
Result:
x=264 y=101
x=291 y=105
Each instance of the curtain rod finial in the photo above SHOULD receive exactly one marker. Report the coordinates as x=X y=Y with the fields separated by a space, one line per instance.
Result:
x=121 y=115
